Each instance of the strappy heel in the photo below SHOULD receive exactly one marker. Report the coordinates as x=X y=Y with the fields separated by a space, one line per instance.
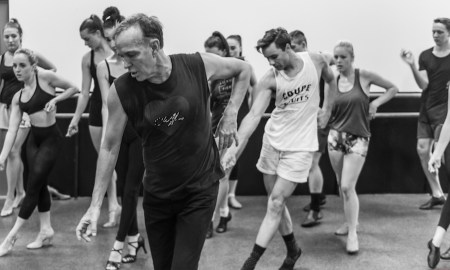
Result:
x=140 y=243
x=110 y=265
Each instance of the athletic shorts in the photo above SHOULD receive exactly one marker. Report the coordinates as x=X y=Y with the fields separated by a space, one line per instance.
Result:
x=322 y=135
x=428 y=131
x=293 y=166
x=5 y=114
x=347 y=143
x=95 y=113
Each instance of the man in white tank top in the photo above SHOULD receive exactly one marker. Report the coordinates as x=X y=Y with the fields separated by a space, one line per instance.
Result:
x=290 y=136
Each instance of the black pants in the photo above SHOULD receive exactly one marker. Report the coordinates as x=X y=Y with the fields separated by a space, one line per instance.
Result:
x=43 y=147
x=444 y=220
x=176 y=229
x=130 y=170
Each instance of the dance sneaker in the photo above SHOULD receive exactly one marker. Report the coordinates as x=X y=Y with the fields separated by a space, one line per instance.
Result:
x=233 y=203
x=432 y=202
x=42 y=240
x=222 y=227
x=7 y=245
x=7 y=209
x=433 y=255
x=312 y=219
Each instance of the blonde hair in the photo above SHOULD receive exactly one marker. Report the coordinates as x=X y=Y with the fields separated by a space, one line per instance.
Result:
x=347 y=45
x=30 y=55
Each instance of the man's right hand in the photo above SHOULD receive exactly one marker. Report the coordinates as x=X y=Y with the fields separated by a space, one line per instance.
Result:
x=88 y=224
x=407 y=56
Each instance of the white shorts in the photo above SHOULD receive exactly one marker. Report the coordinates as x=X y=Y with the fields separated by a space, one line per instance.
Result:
x=293 y=166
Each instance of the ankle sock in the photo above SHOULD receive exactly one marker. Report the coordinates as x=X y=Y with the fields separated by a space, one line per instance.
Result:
x=291 y=245
x=251 y=261
x=315 y=201
x=224 y=212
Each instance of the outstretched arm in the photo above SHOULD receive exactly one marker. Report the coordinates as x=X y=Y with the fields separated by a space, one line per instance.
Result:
x=14 y=122
x=224 y=68
x=107 y=158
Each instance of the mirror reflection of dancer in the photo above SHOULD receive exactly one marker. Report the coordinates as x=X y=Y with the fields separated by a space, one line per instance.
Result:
x=9 y=86
x=91 y=31
x=348 y=140
x=432 y=76
x=441 y=150
x=37 y=98
x=130 y=166
x=166 y=99
x=290 y=135
x=315 y=178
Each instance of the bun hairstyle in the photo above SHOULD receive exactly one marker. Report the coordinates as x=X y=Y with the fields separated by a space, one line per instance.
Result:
x=347 y=45
x=219 y=41
x=14 y=23
x=92 y=24
x=111 y=16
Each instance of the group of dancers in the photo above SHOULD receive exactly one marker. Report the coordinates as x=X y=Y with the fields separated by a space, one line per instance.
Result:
x=171 y=123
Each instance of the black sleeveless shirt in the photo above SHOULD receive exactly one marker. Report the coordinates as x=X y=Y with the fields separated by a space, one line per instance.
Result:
x=96 y=95
x=37 y=101
x=173 y=119
x=10 y=83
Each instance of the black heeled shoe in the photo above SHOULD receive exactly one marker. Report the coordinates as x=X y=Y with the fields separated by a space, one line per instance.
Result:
x=433 y=255
x=222 y=227
x=110 y=265
x=140 y=243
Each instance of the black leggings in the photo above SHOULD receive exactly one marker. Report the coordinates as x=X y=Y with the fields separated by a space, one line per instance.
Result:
x=130 y=171
x=444 y=220
x=43 y=147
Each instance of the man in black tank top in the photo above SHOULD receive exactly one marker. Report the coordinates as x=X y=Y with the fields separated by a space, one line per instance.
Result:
x=166 y=100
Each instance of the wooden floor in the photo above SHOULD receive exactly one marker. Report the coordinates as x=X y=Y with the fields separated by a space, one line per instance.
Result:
x=393 y=235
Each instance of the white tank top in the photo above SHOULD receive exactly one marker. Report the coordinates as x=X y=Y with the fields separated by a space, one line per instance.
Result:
x=293 y=123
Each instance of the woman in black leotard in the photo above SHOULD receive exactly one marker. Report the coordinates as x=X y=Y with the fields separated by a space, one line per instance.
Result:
x=37 y=98
x=129 y=166
x=12 y=36
x=91 y=31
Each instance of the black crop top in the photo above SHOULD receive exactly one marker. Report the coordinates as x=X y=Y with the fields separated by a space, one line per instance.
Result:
x=10 y=83
x=37 y=101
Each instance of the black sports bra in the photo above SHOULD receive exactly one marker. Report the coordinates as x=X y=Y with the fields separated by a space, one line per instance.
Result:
x=37 y=101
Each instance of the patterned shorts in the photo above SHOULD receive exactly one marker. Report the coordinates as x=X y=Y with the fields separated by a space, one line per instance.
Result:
x=347 y=143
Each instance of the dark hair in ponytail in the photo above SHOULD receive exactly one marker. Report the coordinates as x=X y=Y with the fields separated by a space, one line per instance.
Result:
x=219 y=41
x=111 y=16
x=14 y=23
x=238 y=39
x=92 y=24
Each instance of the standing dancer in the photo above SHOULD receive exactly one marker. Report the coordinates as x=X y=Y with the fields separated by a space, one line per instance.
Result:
x=12 y=36
x=432 y=77
x=130 y=166
x=37 y=98
x=349 y=136
x=166 y=99
x=315 y=178
x=91 y=31
x=290 y=135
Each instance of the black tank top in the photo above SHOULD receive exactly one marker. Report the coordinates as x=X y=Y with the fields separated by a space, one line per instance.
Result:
x=351 y=110
x=10 y=83
x=129 y=133
x=96 y=95
x=37 y=101
x=173 y=119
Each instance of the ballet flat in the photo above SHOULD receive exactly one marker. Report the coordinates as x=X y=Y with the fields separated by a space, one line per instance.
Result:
x=42 y=240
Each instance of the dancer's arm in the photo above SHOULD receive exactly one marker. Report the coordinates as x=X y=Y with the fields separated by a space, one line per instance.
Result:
x=444 y=138
x=224 y=68
x=420 y=76
x=14 y=123
x=107 y=158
